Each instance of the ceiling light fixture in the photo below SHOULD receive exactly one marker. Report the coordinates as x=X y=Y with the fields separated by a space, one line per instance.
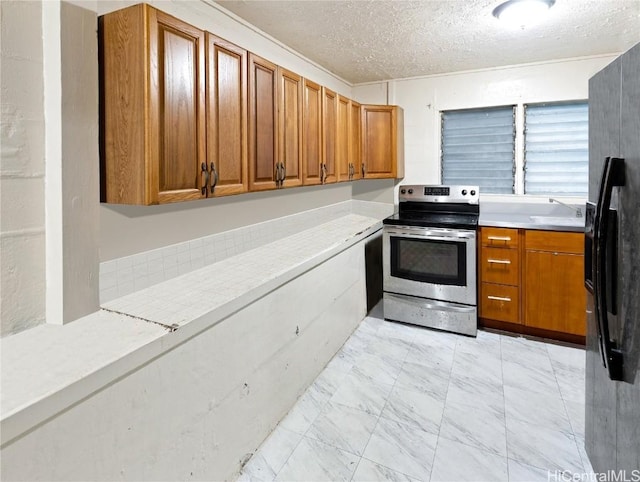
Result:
x=520 y=13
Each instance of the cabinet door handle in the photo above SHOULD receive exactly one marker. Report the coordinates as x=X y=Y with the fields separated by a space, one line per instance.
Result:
x=363 y=169
x=214 y=177
x=498 y=298
x=499 y=238
x=205 y=172
x=278 y=175
x=323 y=175
x=284 y=173
x=499 y=261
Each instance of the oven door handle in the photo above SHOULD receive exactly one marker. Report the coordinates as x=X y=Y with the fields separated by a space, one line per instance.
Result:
x=432 y=235
x=433 y=304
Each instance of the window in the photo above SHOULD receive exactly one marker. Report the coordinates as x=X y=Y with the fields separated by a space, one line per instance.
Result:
x=478 y=148
x=556 y=149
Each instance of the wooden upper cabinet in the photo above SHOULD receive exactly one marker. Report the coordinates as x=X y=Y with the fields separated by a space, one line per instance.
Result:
x=383 y=141
x=263 y=123
x=226 y=117
x=290 y=127
x=342 y=140
x=311 y=132
x=153 y=135
x=329 y=134
x=355 y=139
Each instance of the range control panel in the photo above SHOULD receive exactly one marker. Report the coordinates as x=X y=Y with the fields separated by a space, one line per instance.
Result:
x=439 y=194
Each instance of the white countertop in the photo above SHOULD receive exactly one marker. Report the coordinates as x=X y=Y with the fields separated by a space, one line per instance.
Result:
x=49 y=368
x=528 y=221
x=532 y=215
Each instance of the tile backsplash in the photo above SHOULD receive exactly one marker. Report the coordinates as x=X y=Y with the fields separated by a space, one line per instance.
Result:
x=122 y=276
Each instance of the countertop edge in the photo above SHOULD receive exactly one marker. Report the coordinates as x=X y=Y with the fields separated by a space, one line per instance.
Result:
x=530 y=226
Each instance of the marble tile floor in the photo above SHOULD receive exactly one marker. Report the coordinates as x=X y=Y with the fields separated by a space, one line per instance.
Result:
x=404 y=403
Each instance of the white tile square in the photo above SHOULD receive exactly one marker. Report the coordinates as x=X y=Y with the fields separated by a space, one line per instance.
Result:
x=455 y=461
x=313 y=460
x=402 y=448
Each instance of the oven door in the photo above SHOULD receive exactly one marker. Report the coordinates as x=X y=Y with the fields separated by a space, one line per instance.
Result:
x=434 y=263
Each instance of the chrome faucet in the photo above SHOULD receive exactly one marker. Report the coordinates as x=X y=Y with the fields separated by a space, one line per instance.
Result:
x=577 y=210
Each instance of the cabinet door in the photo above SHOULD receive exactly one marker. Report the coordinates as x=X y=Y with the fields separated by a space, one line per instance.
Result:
x=555 y=297
x=355 y=139
x=312 y=133
x=329 y=131
x=153 y=124
x=290 y=126
x=263 y=123
x=177 y=108
x=226 y=117
x=383 y=143
x=342 y=140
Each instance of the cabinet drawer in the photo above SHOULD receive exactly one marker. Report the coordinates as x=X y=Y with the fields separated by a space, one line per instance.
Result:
x=499 y=237
x=500 y=303
x=500 y=266
x=554 y=241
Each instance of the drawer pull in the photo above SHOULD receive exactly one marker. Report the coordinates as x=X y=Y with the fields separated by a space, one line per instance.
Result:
x=499 y=238
x=498 y=298
x=499 y=261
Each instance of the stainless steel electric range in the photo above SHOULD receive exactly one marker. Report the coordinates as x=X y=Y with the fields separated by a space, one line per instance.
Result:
x=429 y=258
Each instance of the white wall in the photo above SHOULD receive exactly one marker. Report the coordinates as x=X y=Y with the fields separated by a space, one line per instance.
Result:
x=22 y=209
x=423 y=98
x=80 y=163
x=127 y=230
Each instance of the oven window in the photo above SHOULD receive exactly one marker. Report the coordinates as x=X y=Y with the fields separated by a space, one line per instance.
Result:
x=429 y=261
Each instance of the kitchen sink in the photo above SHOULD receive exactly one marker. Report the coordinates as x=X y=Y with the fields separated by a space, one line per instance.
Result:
x=557 y=220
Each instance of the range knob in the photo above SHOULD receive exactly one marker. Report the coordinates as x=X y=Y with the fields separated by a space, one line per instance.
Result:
x=410 y=191
x=464 y=192
x=403 y=191
x=473 y=193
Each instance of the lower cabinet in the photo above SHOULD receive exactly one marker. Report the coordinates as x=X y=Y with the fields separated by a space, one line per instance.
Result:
x=555 y=297
x=499 y=273
x=532 y=282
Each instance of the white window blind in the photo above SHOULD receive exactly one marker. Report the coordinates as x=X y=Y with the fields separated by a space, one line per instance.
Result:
x=478 y=148
x=556 y=157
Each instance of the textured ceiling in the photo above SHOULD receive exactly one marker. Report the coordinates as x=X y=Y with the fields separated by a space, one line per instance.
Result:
x=372 y=40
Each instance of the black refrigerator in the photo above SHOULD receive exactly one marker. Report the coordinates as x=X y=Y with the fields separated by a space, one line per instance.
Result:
x=612 y=268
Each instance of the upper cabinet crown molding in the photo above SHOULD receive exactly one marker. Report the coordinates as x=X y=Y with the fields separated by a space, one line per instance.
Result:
x=187 y=115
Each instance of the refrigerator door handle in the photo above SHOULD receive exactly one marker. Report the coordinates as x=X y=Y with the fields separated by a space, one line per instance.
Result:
x=613 y=175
